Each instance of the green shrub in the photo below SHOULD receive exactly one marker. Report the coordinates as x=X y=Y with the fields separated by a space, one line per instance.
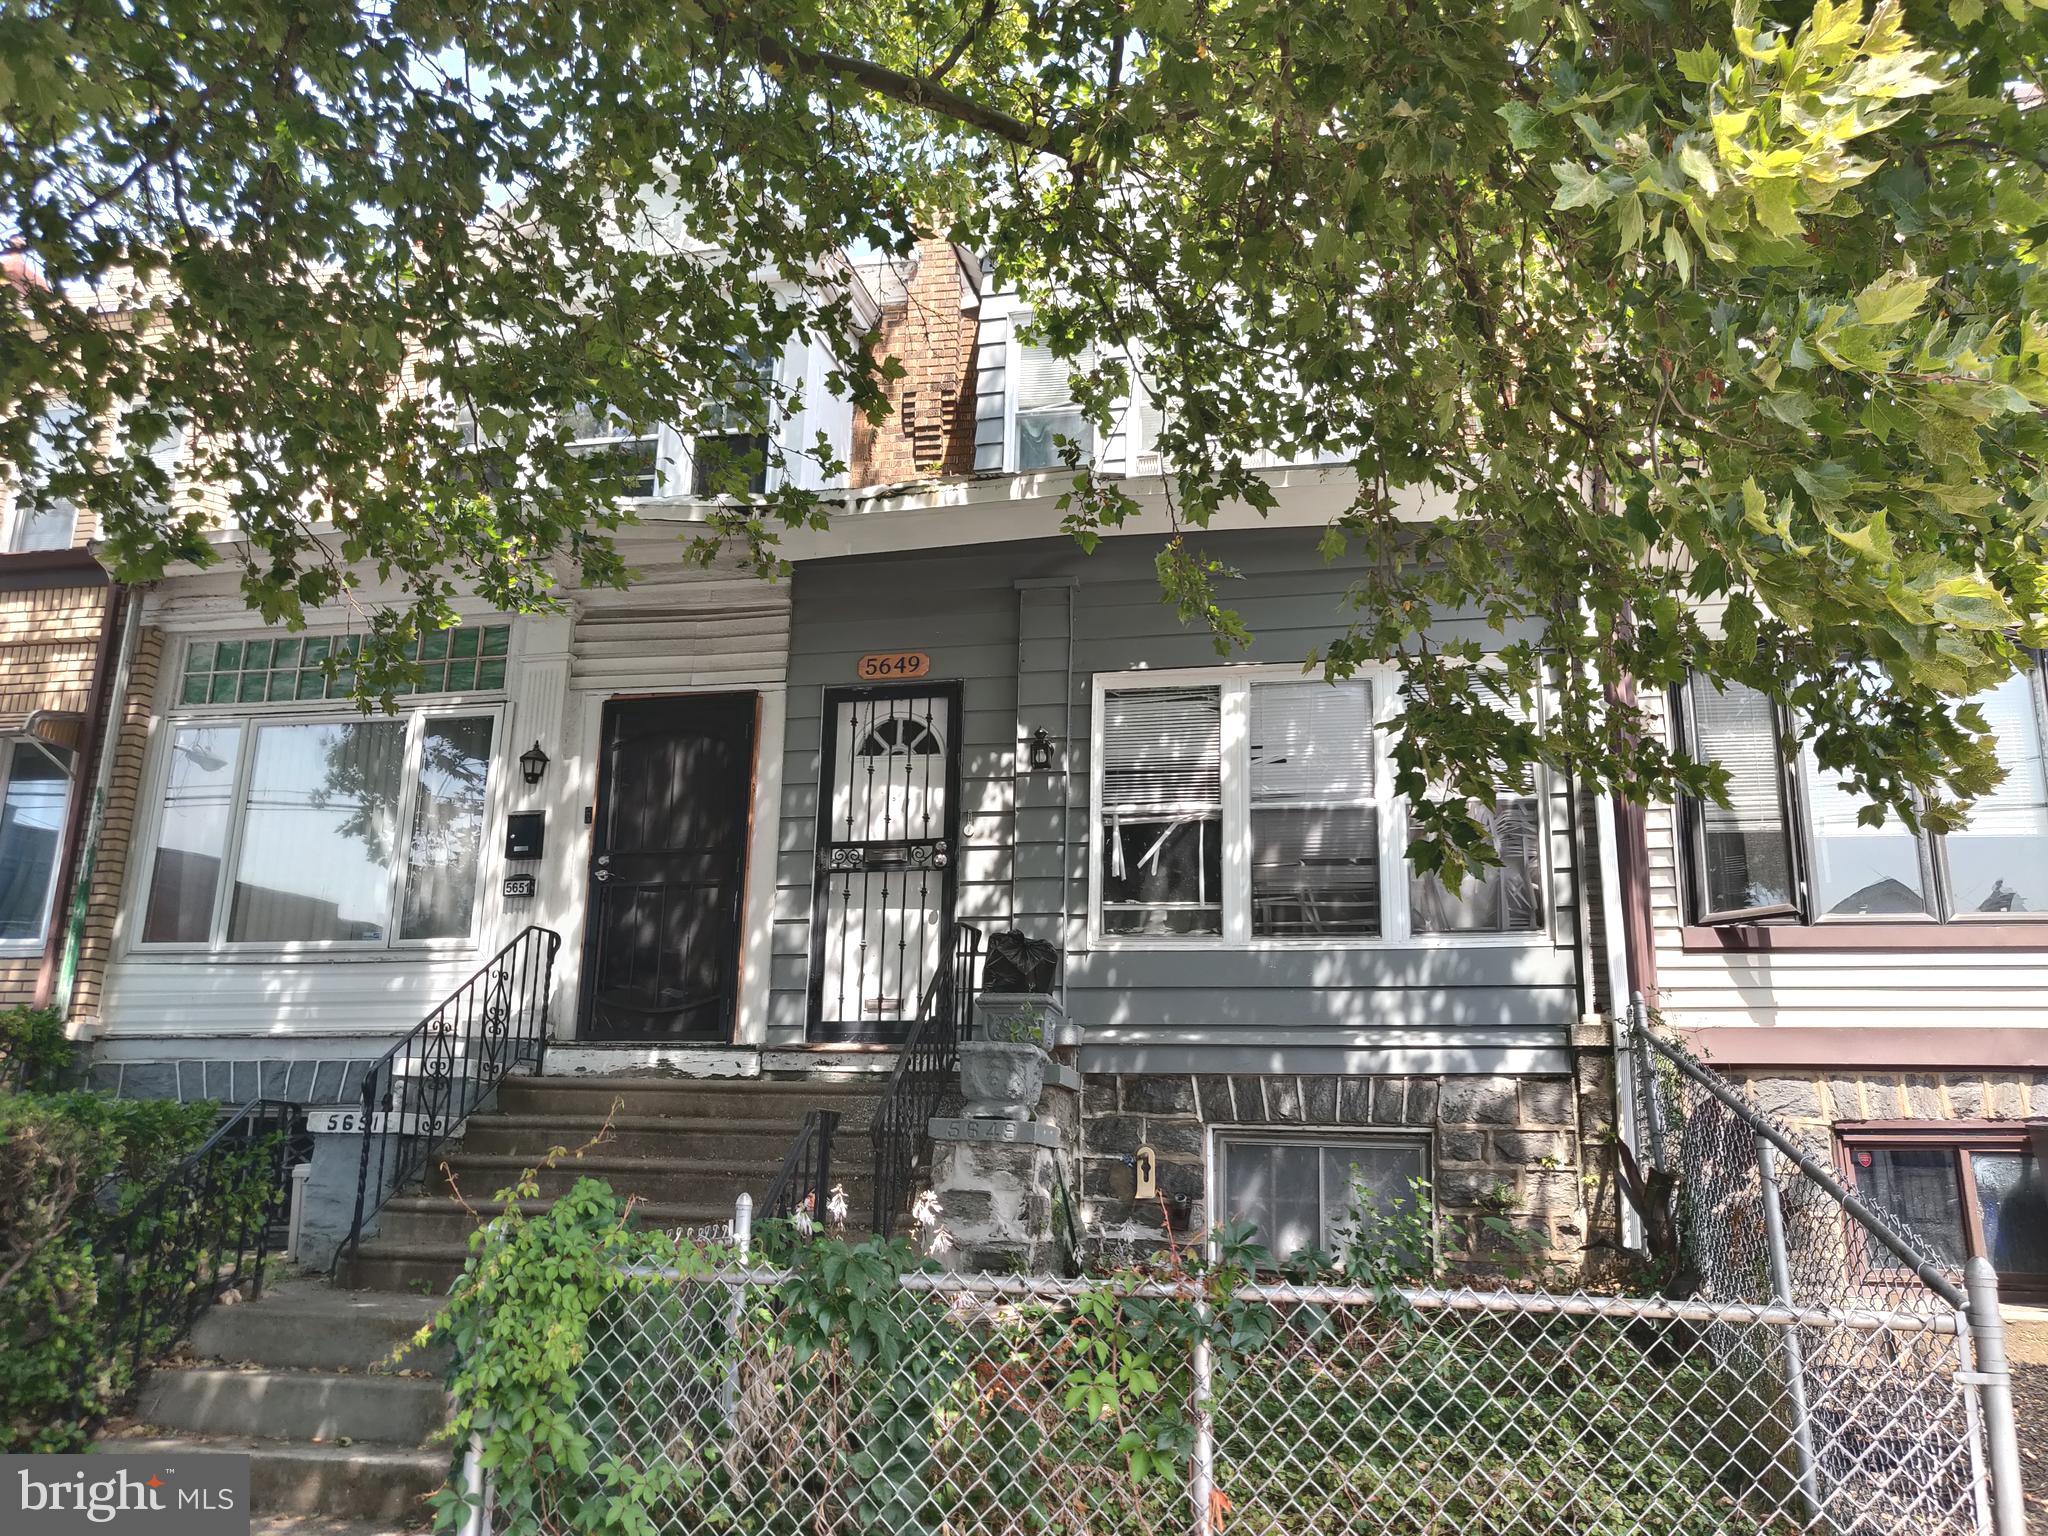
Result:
x=70 y=1164
x=34 y=1050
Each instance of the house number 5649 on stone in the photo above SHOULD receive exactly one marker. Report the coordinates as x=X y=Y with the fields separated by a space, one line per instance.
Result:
x=892 y=666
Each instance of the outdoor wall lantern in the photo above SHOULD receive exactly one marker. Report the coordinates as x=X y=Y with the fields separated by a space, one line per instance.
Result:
x=533 y=763
x=1042 y=753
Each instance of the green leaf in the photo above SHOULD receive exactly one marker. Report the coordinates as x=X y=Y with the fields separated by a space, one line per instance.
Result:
x=1893 y=298
x=1701 y=65
x=1628 y=219
x=1577 y=187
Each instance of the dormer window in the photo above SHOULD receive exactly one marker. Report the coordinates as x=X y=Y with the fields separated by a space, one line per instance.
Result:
x=599 y=431
x=36 y=519
x=1046 y=411
x=731 y=454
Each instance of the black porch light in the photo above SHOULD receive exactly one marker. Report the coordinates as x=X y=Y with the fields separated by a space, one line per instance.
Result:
x=1042 y=754
x=533 y=763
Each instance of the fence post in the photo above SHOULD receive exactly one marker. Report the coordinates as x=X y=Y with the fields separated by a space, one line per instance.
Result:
x=736 y=1304
x=476 y=1491
x=1202 y=1460
x=1993 y=1381
x=743 y=1226
x=1795 y=1361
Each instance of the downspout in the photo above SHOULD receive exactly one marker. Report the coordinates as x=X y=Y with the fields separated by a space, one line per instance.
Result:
x=110 y=697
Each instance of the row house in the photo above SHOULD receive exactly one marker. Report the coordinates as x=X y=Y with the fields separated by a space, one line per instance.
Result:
x=765 y=819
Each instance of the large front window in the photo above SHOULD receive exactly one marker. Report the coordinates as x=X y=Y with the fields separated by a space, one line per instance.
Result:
x=320 y=831
x=1790 y=845
x=1252 y=806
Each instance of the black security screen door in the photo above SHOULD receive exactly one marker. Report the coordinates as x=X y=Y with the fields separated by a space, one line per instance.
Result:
x=668 y=864
x=889 y=828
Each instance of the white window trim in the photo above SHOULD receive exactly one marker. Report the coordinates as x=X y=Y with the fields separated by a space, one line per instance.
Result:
x=1013 y=373
x=415 y=712
x=16 y=948
x=1396 y=926
x=1214 y=1157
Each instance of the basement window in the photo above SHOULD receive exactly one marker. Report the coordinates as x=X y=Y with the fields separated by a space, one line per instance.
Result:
x=1303 y=1191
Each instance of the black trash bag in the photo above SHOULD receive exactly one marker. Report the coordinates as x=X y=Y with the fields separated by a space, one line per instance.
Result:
x=1018 y=963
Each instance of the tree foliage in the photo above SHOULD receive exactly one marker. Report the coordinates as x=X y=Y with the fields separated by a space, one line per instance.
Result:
x=1717 y=332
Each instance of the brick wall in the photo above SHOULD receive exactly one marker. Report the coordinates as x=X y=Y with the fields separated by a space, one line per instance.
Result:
x=117 y=829
x=930 y=428
x=1510 y=1147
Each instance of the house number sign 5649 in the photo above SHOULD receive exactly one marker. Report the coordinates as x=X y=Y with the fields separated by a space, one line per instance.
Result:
x=892 y=666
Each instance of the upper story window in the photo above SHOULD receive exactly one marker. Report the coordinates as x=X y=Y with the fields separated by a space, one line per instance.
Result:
x=1248 y=805
x=731 y=453
x=1789 y=845
x=600 y=432
x=36 y=519
x=288 y=827
x=1046 y=411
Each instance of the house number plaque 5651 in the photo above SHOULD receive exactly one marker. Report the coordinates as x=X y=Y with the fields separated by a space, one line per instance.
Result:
x=892 y=666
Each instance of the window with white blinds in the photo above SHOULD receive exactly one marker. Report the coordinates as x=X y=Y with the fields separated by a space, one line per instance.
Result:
x=1161 y=751
x=1046 y=411
x=1253 y=805
x=1790 y=842
x=1744 y=849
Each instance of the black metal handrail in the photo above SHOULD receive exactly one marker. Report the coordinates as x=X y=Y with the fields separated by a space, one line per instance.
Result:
x=806 y=1176
x=202 y=1228
x=924 y=1073
x=421 y=1089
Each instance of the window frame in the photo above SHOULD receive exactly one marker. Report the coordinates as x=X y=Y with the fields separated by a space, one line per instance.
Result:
x=1322 y=1138
x=1013 y=413
x=1961 y=1140
x=415 y=711
x=1693 y=829
x=1396 y=909
x=1801 y=912
x=18 y=948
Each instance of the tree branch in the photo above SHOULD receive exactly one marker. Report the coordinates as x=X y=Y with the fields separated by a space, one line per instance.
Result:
x=925 y=96
x=975 y=28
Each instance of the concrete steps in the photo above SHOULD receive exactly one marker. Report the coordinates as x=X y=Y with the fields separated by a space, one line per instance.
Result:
x=684 y=1148
x=383 y=1484
x=304 y=1382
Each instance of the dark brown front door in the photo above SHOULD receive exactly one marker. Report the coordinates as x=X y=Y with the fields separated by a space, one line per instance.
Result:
x=668 y=862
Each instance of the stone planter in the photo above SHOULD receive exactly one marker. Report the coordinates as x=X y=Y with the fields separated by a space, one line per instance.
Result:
x=1017 y=1018
x=999 y=1080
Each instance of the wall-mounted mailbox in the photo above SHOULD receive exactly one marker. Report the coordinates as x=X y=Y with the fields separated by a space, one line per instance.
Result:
x=525 y=834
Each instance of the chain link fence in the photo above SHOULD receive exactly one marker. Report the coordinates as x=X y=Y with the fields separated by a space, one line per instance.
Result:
x=1800 y=1375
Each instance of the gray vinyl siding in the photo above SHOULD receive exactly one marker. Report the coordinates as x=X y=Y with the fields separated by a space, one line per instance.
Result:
x=1024 y=627
x=991 y=370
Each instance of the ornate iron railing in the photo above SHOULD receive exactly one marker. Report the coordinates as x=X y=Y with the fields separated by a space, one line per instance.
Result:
x=806 y=1177
x=924 y=1074
x=426 y=1085
x=203 y=1228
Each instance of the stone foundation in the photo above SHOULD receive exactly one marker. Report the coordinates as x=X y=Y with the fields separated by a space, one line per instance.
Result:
x=1532 y=1150
x=1816 y=1101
